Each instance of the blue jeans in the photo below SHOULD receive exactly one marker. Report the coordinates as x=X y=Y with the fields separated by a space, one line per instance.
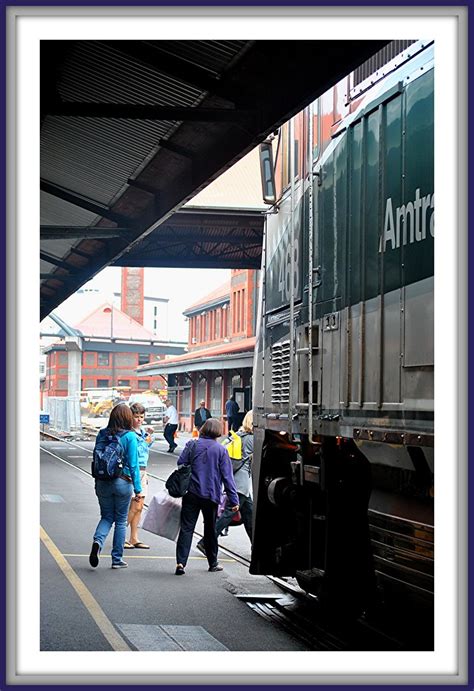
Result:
x=114 y=499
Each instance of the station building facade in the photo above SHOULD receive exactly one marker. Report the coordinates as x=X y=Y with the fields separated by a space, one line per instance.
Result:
x=221 y=343
x=112 y=345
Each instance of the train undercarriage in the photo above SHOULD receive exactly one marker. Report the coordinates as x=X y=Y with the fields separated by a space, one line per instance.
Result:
x=358 y=535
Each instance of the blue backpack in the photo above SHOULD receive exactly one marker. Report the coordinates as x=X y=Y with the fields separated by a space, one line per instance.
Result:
x=107 y=457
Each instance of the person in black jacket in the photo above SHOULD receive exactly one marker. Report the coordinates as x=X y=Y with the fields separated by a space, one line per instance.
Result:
x=201 y=414
x=231 y=410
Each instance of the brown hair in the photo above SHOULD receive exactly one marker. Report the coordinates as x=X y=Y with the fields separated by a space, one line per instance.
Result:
x=137 y=409
x=121 y=417
x=211 y=429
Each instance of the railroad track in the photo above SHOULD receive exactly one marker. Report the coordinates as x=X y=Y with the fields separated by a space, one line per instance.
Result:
x=296 y=611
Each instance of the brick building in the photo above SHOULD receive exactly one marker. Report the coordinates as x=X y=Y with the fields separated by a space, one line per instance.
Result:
x=221 y=342
x=113 y=346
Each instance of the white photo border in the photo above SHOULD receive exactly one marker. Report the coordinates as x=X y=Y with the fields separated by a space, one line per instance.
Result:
x=26 y=664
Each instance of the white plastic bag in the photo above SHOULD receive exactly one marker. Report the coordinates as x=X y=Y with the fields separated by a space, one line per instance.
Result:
x=163 y=516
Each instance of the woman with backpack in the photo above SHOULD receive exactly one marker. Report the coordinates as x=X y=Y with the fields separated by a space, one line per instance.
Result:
x=117 y=445
x=242 y=477
x=210 y=468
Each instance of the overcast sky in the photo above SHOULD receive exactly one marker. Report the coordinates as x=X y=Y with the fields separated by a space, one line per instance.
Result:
x=182 y=287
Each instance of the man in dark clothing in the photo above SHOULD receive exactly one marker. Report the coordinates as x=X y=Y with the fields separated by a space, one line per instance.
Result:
x=231 y=410
x=201 y=414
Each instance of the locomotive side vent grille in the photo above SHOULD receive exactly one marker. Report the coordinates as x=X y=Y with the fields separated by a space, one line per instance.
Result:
x=369 y=67
x=382 y=64
x=281 y=373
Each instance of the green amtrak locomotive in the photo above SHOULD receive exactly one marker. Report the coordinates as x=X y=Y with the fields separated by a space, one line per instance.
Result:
x=344 y=366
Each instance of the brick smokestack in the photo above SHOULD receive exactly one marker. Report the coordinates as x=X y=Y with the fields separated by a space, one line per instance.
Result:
x=132 y=291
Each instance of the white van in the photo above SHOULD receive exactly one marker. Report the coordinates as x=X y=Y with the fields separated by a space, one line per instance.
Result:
x=154 y=407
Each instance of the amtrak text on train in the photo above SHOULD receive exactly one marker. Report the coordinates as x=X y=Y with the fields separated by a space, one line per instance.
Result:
x=411 y=219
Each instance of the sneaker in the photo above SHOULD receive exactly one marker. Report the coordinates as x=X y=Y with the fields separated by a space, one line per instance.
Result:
x=200 y=547
x=216 y=567
x=120 y=565
x=94 y=555
x=179 y=570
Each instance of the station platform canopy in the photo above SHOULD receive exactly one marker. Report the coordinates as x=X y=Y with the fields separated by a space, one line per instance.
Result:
x=221 y=227
x=132 y=130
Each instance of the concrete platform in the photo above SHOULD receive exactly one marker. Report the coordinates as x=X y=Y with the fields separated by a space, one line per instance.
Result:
x=144 y=607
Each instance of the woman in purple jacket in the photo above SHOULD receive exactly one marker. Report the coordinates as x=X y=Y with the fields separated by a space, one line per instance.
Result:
x=211 y=467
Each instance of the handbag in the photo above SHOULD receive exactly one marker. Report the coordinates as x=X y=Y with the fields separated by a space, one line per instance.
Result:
x=236 y=519
x=178 y=482
x=163 y=516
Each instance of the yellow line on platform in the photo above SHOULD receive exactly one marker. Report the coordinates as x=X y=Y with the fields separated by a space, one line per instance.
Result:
x=146 y=556
x=97 y=613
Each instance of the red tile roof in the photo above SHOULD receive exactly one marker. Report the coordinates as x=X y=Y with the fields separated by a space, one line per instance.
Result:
x=99 y=323
x=222 y=349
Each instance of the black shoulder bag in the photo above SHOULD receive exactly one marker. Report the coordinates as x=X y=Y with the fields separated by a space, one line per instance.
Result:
x=178 y=482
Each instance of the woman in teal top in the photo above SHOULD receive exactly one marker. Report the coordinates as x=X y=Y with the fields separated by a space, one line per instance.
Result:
x=144 y=441
x=114 y=495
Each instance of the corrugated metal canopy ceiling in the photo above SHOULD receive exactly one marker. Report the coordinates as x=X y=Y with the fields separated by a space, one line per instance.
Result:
x=131 y=130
